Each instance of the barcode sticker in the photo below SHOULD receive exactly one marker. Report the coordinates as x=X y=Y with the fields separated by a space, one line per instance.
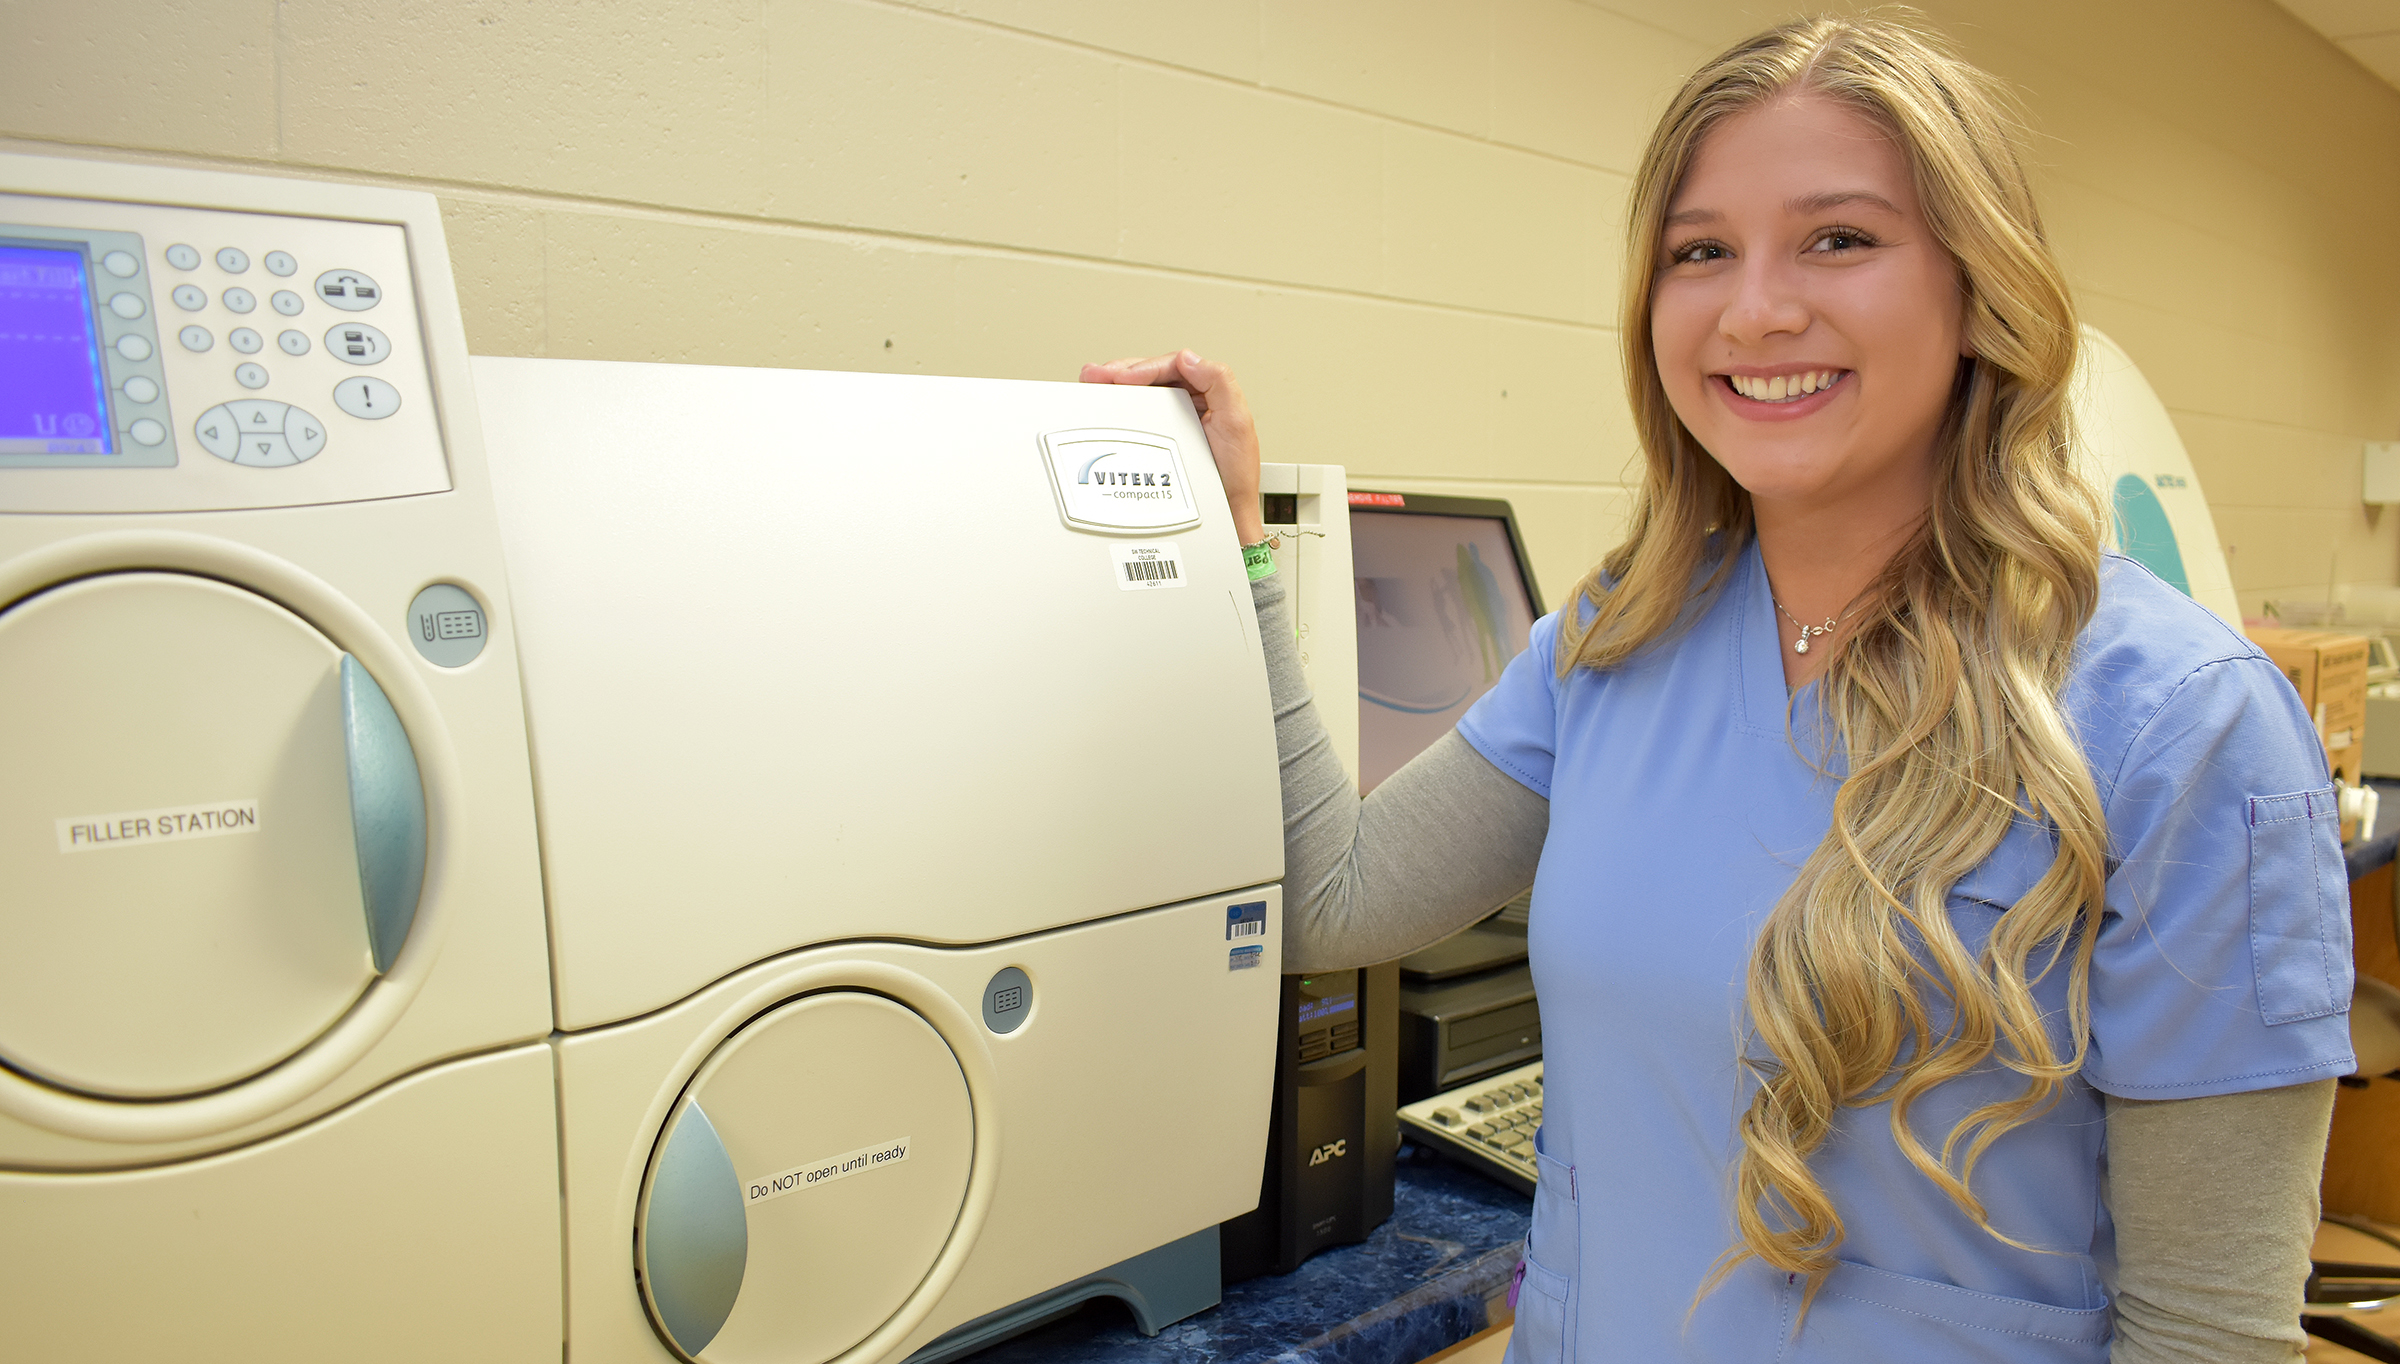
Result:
x=1246 y=920
x=1144 y=568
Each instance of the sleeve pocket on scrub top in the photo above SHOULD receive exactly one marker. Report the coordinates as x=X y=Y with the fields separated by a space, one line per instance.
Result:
x=2299 y=906
x=1544 y=1332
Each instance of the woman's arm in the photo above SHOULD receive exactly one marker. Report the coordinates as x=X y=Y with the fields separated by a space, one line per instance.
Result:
x=1441 y=842
x=2215 y=1203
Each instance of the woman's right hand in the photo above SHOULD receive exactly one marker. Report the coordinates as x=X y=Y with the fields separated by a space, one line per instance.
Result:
x=1224 y=419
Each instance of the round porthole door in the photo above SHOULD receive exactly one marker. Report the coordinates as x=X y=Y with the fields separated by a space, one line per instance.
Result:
x=212 y=834
x=805 y=1182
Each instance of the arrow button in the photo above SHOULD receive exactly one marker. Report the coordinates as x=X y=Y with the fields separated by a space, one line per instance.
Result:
x=217 y=432
x=258 y=416
x=304 y=434
x=265 y=452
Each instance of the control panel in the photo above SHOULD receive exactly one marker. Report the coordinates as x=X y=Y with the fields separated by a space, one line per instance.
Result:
x=159 y=358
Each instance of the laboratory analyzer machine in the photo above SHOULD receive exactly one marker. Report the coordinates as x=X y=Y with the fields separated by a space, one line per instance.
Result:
x=273 y=977
x=905 y=779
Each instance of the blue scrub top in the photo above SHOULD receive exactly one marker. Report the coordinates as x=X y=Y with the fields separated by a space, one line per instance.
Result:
x=1680 y=810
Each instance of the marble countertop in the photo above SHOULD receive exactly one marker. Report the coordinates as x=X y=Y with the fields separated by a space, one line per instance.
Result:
x=1433 y=1275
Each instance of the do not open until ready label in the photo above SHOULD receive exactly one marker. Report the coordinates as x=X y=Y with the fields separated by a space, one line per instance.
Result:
x=765 y=1188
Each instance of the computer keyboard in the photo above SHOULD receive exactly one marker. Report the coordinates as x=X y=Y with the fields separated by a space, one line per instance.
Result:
x=1487 y=1126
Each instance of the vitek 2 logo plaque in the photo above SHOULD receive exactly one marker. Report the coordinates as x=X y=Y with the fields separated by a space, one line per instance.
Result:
x=1107 y=479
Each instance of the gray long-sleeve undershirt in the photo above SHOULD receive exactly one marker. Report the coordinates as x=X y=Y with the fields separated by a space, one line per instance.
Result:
x=2214 y=1199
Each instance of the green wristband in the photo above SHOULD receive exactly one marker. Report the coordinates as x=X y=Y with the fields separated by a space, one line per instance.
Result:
x=1259 y=560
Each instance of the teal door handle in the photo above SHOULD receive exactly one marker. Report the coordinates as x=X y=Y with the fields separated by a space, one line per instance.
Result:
x=695 y=1233
x=387 y=811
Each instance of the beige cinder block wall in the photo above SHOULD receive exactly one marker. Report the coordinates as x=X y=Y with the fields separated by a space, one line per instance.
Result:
x=1399 y=218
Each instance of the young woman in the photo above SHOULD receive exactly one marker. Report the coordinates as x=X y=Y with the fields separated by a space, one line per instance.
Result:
x=1940 y=924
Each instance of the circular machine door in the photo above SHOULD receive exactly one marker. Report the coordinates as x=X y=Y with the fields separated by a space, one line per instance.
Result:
x=804 y=1183
x=212 y=834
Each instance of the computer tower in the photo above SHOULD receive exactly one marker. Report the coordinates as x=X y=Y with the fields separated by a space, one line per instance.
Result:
x=1467 y=1008
x=1328 y=1176
x=1455 y=1032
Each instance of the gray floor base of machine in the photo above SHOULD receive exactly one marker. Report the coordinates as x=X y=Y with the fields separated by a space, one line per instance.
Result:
x=1162 y=1286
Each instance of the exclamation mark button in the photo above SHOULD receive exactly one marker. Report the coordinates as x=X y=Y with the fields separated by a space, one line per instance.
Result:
x=366 y=399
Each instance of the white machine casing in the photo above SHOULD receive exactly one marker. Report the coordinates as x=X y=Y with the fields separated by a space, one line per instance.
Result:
x=1312 y=556
x=845 y=701
x=2161 y=518
x=241 y=1117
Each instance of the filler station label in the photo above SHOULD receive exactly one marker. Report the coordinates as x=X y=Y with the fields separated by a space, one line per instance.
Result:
x=169 y=824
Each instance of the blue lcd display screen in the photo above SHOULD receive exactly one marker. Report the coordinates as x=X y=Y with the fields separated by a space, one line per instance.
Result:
x=1313 y=1009
x=53 y=390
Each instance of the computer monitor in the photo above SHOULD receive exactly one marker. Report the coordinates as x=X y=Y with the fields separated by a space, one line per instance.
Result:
x=1445 y=598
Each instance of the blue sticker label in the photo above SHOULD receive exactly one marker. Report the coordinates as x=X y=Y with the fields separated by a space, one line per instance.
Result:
x=1246 y=921
x=1244 y=958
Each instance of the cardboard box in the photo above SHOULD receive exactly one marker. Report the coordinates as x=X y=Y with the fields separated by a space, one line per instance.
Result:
x=2330 y=671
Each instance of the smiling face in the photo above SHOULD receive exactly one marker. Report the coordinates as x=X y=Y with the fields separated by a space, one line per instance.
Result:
x=1806 y=322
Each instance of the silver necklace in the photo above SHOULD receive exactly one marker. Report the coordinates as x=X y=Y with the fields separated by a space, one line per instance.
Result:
x=1800 y=645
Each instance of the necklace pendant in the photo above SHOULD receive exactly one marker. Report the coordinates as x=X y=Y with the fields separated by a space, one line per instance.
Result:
x=1800 y=645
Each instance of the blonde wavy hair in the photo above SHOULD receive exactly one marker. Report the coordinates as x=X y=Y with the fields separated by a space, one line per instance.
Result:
x=1945 y=698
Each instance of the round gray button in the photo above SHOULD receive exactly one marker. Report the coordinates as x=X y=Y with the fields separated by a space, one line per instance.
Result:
x=127 y=306
x=245 y=340
x=1007 y=1001
x=446 y=624
x=287 y=303
x=240 y=300
x=121 y=264
x=304 y=433
x=141 y=388
x=366 y=399
x=357 y=343
x=190 y=297
x=250 y=376
x=232 y=260
x=146 y=431
x=349 y=290
x=134 y=347
x=196 y=339
x=281 y=263
x=183 y=257
x=293 y=343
